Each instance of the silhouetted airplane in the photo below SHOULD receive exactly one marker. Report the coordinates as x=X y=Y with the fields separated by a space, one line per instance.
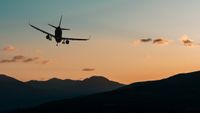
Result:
x=58 y=34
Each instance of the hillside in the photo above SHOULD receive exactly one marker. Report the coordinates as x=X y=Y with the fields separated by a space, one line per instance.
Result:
x=16 y=94
x=176 y=94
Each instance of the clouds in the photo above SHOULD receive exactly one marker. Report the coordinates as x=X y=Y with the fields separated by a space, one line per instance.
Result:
x=24 y=59
x=187 y=42
x=161 y=41
x=156 y=41
x=88 y=69
x=21 y=58
x=30 y=59
x=146 y=40
x=141 y=41
x=9 y=48
x=44 y=62
x=14 y=59
x=184 y=40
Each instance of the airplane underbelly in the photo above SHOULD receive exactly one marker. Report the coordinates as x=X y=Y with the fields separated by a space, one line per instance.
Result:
x=58 y=40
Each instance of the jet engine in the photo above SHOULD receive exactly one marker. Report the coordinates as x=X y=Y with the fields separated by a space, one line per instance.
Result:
x=48 y=37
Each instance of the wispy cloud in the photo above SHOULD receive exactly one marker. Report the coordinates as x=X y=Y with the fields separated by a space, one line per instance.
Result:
x=161 y=41
x=146 y=40
x=140 y=41
x=24 y=59
x=6 y=61
x=186 y=41
x=30 y=59
x=44 y=62
x=157 y=41
x=9 y=48
x=19 y=57
x=14 y=59
x=88 y=69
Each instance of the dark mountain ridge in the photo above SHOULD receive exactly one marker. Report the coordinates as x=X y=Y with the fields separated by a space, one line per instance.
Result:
x=176 y=94
x=16 y=94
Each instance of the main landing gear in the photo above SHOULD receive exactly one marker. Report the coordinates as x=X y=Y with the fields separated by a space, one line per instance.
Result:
x=65 y=42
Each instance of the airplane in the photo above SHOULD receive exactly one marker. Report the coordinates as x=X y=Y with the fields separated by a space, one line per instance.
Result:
x=58 y=34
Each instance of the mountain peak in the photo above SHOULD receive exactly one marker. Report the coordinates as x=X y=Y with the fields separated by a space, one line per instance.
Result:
x=54 y=80
x=195 y=74
x=96 y=78
x=185 y=77
x=5 y=78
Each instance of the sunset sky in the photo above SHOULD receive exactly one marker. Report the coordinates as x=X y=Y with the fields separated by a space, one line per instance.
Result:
x=132 y=40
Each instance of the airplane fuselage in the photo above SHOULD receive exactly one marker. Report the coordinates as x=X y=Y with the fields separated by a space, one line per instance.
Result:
x=58 y=34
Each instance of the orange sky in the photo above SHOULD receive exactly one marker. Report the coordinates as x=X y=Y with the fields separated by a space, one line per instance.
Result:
x=131 y=40
x=118 y=60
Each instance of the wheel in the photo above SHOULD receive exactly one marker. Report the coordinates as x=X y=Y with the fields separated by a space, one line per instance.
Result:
x=67 y=41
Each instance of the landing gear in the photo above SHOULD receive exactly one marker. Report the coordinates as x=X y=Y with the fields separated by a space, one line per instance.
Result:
x=65 y=42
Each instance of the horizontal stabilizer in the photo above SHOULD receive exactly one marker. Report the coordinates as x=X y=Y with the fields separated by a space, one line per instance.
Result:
x=65 y=29
x=52 y=26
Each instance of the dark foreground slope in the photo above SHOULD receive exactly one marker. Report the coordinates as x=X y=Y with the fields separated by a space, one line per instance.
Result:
x=176 y=94
x=15 y=94
x=72 y=88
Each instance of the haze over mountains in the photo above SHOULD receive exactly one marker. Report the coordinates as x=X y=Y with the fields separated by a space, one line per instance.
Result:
x=176 y=94
x=16 y=94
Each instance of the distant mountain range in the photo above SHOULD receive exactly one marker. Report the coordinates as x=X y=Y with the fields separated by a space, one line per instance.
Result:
x=176 y=94
x=15 y=94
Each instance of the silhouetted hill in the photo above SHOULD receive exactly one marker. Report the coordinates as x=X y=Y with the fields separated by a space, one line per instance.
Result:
x=73 y=88
x=8 y=82
x=6 y=79
x=15 y=94
x=176 y=94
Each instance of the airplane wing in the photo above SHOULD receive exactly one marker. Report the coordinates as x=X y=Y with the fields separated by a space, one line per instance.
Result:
x=76 y=39
x=42 y=30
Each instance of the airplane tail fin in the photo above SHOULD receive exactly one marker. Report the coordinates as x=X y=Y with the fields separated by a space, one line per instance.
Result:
x=60 y=24
x=60 y=21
